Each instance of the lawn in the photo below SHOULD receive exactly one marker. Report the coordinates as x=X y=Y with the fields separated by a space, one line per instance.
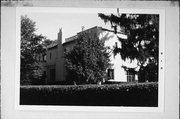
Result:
x=126 y=94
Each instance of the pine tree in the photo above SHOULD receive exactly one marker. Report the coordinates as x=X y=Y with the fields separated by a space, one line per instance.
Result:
x=142 y=31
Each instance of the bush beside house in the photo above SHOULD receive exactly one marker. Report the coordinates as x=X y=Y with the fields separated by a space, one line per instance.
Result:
x=87 y=61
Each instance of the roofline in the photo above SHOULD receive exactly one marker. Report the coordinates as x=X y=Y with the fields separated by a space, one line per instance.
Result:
x=51 y=47
x=68 y=42
x=89 y=29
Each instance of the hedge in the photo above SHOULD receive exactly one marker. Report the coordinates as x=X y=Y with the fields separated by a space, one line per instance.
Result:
x=133 y=94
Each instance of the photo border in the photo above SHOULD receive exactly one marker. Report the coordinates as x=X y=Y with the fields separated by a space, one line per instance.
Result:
x=160 y=108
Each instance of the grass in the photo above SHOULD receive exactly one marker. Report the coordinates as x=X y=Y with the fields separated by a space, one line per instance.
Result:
x=126 y=94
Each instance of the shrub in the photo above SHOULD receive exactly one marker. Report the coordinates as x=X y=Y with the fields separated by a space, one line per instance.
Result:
x=133 y=94
x=88 y=60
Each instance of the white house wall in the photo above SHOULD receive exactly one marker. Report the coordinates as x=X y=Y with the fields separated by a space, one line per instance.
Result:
x=119 y=72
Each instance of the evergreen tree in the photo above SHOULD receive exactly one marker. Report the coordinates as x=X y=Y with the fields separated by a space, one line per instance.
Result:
x=142 y=31
x=31 y=49
x=87 y=61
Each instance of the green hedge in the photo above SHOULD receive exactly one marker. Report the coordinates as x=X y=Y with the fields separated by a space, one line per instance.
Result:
x=134 y=94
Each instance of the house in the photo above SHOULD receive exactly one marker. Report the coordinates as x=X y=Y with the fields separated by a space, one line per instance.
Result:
x=55 y=68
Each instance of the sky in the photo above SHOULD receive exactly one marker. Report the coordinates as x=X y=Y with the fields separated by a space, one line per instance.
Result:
x=48 y=24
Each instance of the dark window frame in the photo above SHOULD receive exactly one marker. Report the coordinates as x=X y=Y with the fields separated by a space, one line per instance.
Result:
x=110 y=73
x=130 y=76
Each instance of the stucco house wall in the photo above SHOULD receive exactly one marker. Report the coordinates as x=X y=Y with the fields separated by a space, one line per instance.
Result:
x=119 y=72
x=110 y=39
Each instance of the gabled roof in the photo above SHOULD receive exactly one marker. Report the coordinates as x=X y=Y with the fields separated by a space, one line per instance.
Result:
x=72 y=38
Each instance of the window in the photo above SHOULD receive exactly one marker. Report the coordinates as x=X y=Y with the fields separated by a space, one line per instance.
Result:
x=110 y=73
x=116 y=45
x=130 y=76
x=50 y=55
x=44 y=58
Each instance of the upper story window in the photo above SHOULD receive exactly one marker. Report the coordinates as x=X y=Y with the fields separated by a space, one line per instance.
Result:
x=116 y=44
x=50 y=55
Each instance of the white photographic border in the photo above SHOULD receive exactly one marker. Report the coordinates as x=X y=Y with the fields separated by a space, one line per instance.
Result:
x=160 y=108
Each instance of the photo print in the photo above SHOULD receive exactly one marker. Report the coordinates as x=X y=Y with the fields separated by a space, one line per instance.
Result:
x=91 y=58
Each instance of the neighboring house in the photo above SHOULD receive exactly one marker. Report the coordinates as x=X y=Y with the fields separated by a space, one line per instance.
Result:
x=55 y=68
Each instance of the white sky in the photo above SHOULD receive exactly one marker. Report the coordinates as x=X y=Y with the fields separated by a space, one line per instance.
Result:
x=48 y=24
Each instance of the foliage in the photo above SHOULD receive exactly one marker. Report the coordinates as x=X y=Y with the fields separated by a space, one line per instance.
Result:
x=142 y=31
x=148 y=73
x=47 y=42
x=133 y=94
x=87 y=61
x=31 y=48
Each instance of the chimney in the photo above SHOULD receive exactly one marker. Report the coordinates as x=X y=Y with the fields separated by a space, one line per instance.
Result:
x=60 y=47
x=60 y=61
x=60 y=36
x=82 y=28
